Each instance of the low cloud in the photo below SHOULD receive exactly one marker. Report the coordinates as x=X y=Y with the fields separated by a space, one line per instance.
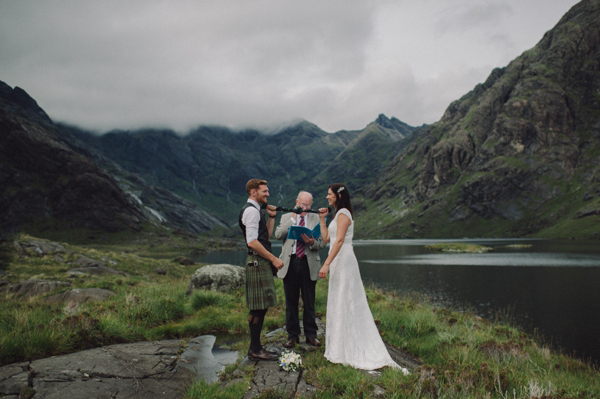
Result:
x=179 y=64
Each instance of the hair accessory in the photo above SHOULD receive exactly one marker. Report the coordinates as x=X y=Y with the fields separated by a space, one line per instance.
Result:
x=339 y=190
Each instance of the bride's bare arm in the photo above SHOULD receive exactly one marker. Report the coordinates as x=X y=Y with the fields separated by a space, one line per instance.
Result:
x=343 y=222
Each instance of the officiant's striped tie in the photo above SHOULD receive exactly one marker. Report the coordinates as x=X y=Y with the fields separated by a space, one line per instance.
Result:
x=300 y=243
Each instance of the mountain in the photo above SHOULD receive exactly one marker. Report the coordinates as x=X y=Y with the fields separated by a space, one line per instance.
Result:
x=367 y=154
x=518 y=155
x=211 y=165
x=50 y=180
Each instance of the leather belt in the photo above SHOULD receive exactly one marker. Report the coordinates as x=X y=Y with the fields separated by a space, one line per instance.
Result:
x=251 y=252
x=253 y=263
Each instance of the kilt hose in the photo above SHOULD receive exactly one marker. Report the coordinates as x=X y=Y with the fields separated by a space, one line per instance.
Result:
x=260 y=284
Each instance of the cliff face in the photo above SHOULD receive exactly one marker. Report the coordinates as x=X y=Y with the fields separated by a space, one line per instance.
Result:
x=521 y=149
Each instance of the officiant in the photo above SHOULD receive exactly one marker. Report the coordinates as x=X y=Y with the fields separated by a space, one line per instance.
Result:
x=300 y=271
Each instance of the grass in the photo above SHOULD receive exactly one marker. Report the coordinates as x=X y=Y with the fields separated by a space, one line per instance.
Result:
x=146 y=305
x=463 y=355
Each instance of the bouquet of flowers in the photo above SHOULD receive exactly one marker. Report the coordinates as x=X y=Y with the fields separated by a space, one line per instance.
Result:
x=290 y=361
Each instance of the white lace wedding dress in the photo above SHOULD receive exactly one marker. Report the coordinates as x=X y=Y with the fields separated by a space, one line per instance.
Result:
x=351 y=336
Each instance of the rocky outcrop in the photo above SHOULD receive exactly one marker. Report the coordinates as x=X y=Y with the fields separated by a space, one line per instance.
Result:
x=158 y=369
x=219 y=277
x=507 y=150
x=93 y=267
x=39 y=248
x=29 y=288
x=81 y=295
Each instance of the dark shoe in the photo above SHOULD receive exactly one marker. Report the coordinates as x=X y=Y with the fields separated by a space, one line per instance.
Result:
x=262 y=355
x=291 y=343
x=313 y=341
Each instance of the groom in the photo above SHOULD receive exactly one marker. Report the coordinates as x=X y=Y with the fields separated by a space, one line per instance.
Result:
x=260 y=286
x=301 y=264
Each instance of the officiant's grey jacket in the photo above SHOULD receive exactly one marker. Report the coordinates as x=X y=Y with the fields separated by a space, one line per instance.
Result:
x=312 y=252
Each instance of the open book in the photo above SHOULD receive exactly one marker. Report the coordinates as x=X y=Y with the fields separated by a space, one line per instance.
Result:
x=295 y=232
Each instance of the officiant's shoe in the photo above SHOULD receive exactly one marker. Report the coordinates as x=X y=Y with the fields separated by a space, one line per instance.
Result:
x=291 y=343
x=313 y=341
x=262 y=355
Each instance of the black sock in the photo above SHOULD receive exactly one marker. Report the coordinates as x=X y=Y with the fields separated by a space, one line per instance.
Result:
x=255 y=323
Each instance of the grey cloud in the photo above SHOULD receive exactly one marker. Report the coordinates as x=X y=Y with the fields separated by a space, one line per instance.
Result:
x=467 y=17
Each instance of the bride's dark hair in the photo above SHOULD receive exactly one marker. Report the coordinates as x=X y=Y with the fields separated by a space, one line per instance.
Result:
x=342 y=197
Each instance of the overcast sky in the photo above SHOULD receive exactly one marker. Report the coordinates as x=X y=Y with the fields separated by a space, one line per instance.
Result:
x=257 y=63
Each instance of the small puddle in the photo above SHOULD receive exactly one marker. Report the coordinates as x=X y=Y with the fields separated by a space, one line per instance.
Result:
x=206 y=360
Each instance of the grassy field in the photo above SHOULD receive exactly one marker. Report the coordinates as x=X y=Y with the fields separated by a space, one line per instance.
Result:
x=463 y=356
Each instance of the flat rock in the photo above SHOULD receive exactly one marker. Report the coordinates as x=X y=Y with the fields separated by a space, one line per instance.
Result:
x=140 y=370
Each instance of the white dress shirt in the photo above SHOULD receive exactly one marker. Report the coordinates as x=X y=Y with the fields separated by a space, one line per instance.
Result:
x=251 y=219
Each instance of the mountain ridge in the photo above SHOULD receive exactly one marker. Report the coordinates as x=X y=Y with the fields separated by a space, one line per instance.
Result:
x=211 y=165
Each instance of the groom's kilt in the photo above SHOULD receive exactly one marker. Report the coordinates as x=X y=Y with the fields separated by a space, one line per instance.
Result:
x=260 y=284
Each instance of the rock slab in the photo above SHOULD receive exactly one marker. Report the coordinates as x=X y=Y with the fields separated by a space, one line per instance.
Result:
x=140 y=370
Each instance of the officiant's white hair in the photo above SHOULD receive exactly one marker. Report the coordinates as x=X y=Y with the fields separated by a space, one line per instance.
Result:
x=304 y=192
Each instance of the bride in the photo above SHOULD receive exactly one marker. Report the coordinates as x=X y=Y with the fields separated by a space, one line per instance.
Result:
x=351 y=336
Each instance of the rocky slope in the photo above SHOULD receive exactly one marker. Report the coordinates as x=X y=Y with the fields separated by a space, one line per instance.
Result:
x=45 y=183
x=517 y=155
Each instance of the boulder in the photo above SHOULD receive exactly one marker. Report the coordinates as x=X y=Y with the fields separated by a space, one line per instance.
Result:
x=217 y=277
x=81 y=295
x=31 y=288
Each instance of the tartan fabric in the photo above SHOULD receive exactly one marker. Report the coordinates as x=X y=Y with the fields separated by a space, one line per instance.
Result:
x=260 y=284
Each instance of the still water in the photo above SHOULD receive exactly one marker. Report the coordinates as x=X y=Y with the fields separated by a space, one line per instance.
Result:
x=552 y=287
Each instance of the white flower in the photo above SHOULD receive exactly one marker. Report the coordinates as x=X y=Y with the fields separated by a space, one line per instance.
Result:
x=290 y=361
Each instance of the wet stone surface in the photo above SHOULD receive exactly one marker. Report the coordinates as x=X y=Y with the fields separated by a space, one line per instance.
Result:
x=159 y=369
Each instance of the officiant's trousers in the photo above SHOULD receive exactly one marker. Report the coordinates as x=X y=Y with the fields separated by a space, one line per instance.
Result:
x=297 y=281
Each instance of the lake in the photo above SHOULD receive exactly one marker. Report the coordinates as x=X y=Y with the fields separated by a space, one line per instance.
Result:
x=552 y=287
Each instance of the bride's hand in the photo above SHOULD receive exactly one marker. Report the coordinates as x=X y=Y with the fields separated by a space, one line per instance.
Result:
x=323 y=212
x=323 y=271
